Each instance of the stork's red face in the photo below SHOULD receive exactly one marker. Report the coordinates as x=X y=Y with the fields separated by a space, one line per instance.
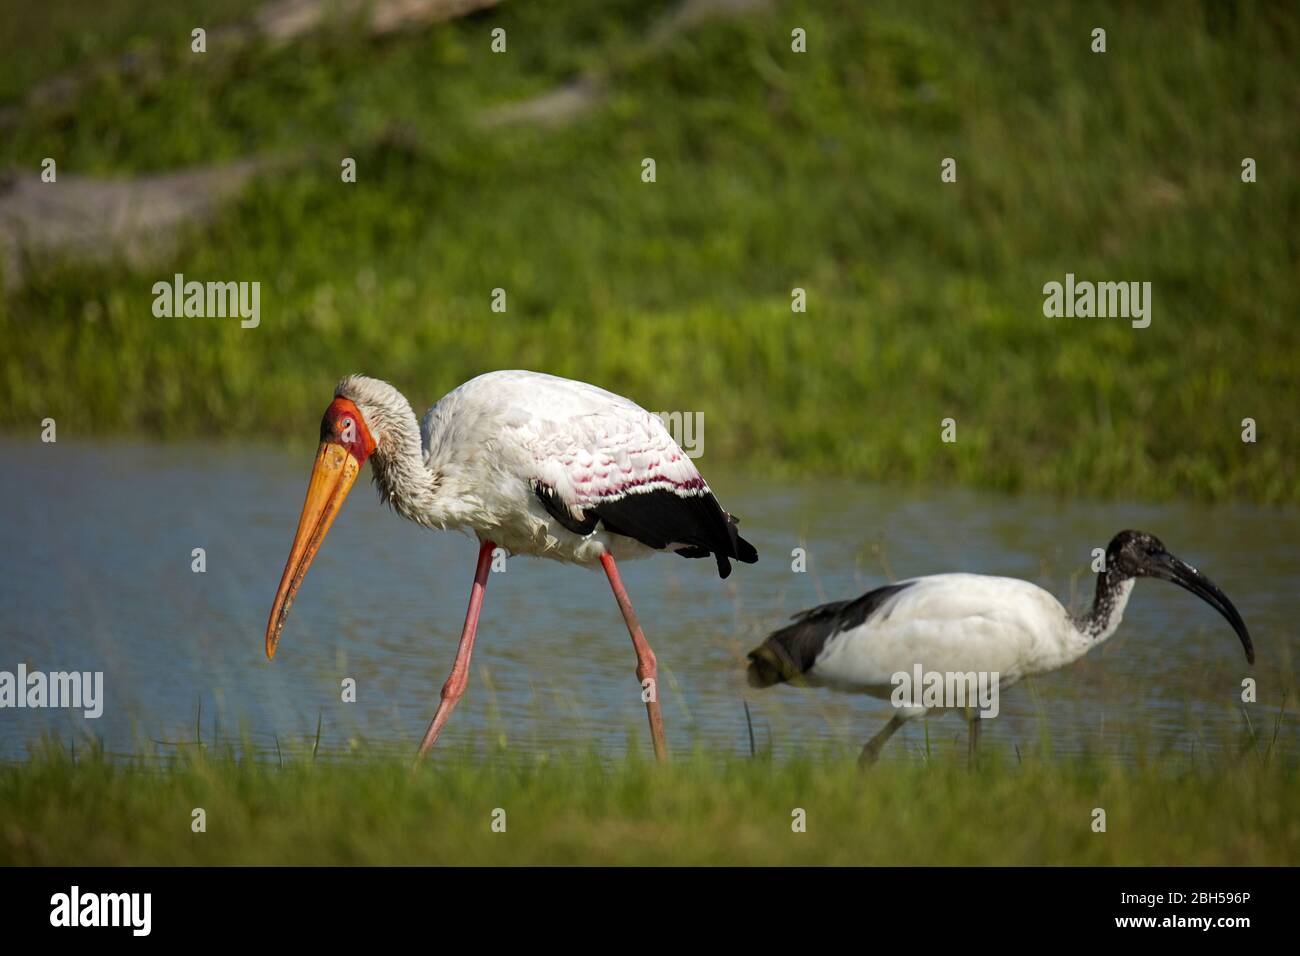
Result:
x=345 y=444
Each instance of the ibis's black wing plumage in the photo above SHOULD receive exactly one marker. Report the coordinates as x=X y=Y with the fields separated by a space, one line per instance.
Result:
x=792 y=650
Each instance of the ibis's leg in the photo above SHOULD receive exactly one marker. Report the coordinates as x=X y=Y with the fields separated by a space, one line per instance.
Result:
x=871 y=752
x=972 y=752
x=455 y=686
x=647 y=671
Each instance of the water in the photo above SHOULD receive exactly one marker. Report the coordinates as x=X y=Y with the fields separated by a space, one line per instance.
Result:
x=96 y=572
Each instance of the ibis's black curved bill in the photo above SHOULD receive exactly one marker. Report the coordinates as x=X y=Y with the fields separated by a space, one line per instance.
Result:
x=1184 y=575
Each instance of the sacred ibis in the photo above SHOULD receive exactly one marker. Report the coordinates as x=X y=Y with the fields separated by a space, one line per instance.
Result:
x=965 y=624
x=527 y=462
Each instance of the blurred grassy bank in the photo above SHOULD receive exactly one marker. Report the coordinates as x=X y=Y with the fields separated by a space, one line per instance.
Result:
x=775 y=170
x=698 y=810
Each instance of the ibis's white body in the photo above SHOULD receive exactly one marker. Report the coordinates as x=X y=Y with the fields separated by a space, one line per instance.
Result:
x=956 y=623
x=930 y=642
x=484 y=444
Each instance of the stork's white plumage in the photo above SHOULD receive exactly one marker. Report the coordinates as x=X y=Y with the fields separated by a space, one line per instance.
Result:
x=965 y=624
x=527 y=462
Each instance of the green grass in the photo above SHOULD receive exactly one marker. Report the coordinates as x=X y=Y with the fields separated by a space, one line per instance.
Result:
x=703 y=809
x=40 y=42
x=774 y=171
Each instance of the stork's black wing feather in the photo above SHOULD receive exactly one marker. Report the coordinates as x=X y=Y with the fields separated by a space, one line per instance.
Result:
x=664 y=517
x=560 y=511
x=658 y=518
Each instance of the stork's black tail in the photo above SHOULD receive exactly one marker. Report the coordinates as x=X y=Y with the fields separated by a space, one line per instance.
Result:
x=690 y=519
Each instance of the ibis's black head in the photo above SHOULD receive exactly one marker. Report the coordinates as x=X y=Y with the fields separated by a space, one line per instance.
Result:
x=1132 y=553
x=1136 y=554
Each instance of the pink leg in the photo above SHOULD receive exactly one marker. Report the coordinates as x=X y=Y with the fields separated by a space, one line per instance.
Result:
x=646 y=668
x=456 y=683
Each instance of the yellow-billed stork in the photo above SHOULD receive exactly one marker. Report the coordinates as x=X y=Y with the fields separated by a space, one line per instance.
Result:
x=965 y=624
x=527 y=462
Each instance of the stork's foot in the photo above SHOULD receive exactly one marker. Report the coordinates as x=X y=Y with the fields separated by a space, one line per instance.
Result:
x=454 y=689
x=647 y=668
